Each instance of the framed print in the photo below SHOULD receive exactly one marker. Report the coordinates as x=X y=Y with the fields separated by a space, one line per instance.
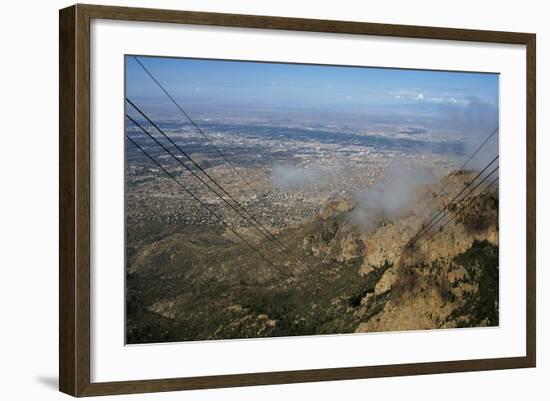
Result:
x=250 y=200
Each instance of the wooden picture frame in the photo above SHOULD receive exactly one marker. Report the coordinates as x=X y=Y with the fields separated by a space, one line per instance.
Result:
x=74 y=199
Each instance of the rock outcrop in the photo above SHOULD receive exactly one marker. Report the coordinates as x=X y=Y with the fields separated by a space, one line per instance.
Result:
x=436 y=283
x=352 y=248
x=332 y=208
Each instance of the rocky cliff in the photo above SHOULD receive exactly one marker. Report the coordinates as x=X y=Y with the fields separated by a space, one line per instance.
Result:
x=202 y=285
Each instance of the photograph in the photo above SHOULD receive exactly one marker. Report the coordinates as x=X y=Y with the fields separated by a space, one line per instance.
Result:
x=272 y=199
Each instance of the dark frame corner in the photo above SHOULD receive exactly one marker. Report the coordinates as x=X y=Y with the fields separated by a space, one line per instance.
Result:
x=74 y=199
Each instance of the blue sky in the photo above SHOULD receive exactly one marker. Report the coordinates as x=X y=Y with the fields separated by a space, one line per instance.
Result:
x=298 y=85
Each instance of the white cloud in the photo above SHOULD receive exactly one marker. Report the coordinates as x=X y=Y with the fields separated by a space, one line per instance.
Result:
x=416 y=95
